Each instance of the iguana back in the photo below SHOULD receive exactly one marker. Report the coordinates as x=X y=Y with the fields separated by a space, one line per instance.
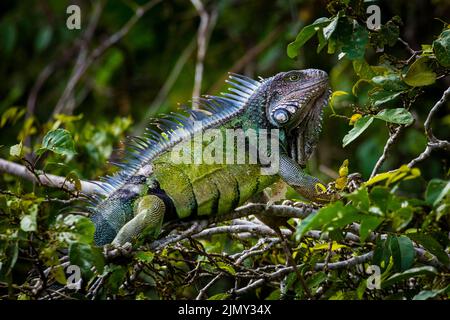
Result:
x=153 y=186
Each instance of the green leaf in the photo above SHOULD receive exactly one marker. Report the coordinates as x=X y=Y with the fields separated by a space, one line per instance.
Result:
x=28 y=222
x=368 y=224
x=436 y=191
x=145 y=256
x=414 y=272
x=331 y=217
x=316 y=280
x=65 y=118
x=333 y=97
x=10 y=250
x=398 y=115
x=382 y=252
x=228 y=268
x=431 y=245
x=390 y=82
x=360 y=126
x=388 y=33
x=403 y=252
x=322 y=42
x=380 y=197
x=360 y=199
x=86 y=256
x=220 y=296
x=112 y=61
x=401 y=218
x=274 y=295
x=420 y=73
x=304 y=35
x=11 y=115
x=75 y=228
x=58 y=141
x=381 y=97
x=43 y=38
x=363 y=69
x=16 y=150
x=427 y=294
x=8 y=37
x=330 y=28
x=441 y=48
x=116 y=277
x=404 y=172
x=355 y=46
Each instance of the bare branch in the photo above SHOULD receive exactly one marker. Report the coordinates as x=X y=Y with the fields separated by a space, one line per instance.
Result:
x=440 y=103
x=202 y=292
x=387 y=147
x=45 y=179
x=257 y=229
x=433 y=142
x=277 y=210
x=346 y=263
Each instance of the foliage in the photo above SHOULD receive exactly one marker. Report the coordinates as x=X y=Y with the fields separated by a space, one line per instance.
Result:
x=396 y=219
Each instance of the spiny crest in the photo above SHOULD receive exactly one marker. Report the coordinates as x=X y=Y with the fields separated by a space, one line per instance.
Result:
x=168 y=130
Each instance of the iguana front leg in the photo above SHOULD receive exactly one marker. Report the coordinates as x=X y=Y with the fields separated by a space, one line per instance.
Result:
x=308 y=186
x=148 y=217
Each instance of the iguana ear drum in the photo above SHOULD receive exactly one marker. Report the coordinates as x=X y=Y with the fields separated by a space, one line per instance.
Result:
x=281 y=116
x=284 y=114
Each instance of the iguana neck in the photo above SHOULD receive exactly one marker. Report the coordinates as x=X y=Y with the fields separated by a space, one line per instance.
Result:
x=254 y=116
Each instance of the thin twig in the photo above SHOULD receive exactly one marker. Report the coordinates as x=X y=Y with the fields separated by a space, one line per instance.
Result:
x=433 y=142
x=202 y=292
x=387 y=147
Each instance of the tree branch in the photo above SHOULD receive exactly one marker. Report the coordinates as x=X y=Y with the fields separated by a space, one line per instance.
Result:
x=387 y=148
x=433 y=142
x=45 y=179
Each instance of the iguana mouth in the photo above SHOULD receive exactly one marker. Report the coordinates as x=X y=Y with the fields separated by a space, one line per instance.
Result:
x=303 y=139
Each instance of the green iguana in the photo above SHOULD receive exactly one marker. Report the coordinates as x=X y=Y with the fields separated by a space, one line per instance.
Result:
x=151 y=187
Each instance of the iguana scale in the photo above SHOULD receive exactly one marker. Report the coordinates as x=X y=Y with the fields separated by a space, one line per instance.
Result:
x=150 y=188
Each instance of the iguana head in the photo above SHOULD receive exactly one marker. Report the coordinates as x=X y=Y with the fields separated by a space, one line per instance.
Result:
x=295 y=104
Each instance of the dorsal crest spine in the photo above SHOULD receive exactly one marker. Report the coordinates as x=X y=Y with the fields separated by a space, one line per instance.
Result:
x=175 y=127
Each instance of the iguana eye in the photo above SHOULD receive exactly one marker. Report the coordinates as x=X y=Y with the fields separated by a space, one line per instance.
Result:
x=293 y=77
